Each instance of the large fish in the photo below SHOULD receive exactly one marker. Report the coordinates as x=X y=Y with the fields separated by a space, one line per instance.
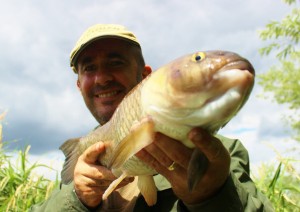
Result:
x=203 y=89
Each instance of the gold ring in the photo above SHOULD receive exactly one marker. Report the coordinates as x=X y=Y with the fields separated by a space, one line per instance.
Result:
x=172 y=166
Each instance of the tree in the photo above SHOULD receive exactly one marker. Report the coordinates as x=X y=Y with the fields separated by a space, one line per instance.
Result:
x=283 y=80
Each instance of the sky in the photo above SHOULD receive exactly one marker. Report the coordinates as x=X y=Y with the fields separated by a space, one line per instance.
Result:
x=38 y=88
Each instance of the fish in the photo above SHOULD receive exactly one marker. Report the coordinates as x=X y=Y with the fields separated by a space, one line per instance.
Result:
x=202 y=89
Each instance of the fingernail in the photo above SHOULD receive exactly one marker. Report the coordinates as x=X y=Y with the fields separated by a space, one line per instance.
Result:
x=100 y=146
x=195 y=135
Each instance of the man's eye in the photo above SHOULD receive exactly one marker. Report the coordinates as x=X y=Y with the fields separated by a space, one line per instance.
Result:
x=89 y=68
x=116 y=63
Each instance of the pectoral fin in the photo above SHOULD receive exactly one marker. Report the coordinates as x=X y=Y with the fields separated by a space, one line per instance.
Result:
x=69 y=149
x=196 y=169
x=141 y=135
x=148 y=189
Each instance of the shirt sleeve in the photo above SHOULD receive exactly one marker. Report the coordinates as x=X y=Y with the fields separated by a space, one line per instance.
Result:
x=62 y=199
x=239 y=192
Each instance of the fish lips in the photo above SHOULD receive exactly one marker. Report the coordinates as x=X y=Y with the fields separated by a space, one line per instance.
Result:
x=243 y=65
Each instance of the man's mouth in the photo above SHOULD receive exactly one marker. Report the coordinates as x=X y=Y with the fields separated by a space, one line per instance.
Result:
x=108 y=94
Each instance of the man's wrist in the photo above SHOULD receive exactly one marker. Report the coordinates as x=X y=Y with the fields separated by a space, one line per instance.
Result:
x=83 y=204
x=226 y=197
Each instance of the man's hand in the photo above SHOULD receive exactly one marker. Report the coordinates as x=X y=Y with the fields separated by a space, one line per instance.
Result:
x=164 y=151
x=91 y=179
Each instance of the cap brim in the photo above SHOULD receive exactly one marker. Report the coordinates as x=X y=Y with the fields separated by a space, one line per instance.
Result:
x=77 y=52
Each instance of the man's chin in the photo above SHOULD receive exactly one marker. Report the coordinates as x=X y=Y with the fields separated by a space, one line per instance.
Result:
x=103 y=111
x=104 y=116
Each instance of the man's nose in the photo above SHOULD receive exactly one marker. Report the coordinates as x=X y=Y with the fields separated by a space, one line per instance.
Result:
x=103 y=76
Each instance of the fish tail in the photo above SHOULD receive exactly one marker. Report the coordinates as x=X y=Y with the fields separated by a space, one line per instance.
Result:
x=70 y=150
x=196 y=168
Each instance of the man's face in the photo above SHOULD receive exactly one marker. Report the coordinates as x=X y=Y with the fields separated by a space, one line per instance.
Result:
x=107 y=71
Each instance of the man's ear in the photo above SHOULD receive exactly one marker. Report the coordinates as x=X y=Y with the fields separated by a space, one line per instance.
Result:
x=147 y=71
x=78 y=85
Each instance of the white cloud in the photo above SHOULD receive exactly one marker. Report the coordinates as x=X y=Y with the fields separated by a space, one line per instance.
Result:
x=69 y=101
x=38 y=87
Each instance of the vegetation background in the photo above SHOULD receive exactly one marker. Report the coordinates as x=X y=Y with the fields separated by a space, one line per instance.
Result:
x=281 y=181
x=20 y=187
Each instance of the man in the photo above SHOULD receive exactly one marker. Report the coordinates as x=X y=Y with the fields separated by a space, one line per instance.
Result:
x=109 y=63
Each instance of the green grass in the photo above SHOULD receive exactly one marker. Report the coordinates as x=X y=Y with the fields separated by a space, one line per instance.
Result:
x=280 y=182
x=20 y=187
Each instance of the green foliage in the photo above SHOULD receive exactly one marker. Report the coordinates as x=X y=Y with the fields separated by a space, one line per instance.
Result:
x=283 y=80
x=20 y=188
x=290 y=1
x=285 y=35
x=284 y=83
x=281 y=184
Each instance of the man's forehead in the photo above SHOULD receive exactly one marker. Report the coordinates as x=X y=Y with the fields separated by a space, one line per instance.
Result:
x=111 y=48
x=89 y=56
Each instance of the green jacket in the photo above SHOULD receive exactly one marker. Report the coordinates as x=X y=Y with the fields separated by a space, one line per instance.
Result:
x=238 y=193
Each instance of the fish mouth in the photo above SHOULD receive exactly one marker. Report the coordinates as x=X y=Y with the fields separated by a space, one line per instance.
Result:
x=230 y=60
x=241 y=64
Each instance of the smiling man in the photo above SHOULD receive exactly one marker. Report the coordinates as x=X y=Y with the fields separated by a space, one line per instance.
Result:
x=107 y=71
x=109 y=63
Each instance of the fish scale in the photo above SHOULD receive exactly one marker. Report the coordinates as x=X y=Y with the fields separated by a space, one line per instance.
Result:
x=119 y=129
x=202 y=89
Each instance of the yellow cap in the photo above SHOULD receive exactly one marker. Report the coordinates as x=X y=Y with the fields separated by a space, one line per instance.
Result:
x=99 y=31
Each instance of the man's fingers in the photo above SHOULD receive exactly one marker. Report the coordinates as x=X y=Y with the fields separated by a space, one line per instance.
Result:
x=92 y=153
x=208 y=144
x=159 y=155
x=96 y=172
x=85 y=182
x=157 y=165
x=170 y=148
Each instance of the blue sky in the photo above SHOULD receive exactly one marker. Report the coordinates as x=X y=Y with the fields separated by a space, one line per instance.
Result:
x=38 y=88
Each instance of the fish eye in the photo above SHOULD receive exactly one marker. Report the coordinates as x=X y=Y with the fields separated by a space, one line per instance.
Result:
x=198 y=56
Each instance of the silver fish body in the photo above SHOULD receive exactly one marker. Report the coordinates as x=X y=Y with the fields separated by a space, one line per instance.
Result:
x=203 y=89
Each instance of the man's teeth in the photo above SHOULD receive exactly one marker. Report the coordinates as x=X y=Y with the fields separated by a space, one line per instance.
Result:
x=107 y=94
